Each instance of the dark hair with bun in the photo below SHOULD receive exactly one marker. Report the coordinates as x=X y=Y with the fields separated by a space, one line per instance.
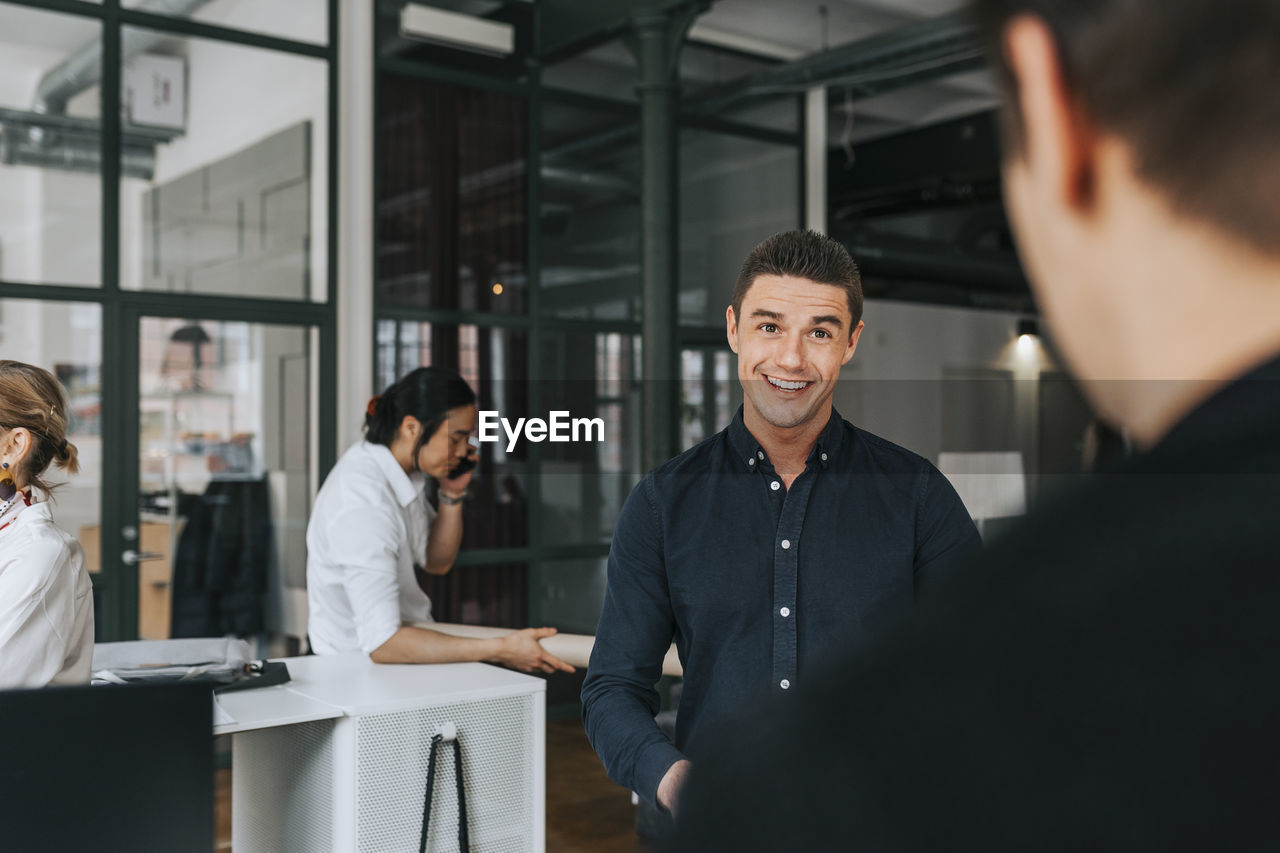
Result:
x=427 y=393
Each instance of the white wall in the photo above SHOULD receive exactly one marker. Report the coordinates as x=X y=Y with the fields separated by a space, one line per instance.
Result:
x=237 y=96
x=892 y=387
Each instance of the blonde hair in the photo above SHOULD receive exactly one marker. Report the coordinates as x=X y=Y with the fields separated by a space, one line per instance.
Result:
x=31 y=398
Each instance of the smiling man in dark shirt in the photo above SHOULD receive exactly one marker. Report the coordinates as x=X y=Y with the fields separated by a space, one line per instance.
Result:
x=787 y=536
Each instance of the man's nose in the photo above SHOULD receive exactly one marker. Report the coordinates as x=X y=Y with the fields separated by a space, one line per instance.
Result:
x=790 y=353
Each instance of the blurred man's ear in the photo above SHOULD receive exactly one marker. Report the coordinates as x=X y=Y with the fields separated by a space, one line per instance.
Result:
x=1059 y=140
x=731 y=328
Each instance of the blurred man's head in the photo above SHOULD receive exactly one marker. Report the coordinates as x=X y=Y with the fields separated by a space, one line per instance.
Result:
x=1142 y=149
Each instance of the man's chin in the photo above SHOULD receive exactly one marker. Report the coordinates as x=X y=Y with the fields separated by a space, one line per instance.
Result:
x=786 y=417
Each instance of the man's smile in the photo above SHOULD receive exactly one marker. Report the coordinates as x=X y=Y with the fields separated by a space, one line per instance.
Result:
x=791 y=386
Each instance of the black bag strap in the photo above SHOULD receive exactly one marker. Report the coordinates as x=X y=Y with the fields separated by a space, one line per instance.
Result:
x=464 y=845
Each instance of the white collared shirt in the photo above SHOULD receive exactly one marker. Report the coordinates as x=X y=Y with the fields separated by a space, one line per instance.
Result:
x=367 y=529
x=46 y=604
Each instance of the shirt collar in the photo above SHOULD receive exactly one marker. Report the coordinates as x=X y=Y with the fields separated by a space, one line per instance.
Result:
x=750 y=454
x=401 y=483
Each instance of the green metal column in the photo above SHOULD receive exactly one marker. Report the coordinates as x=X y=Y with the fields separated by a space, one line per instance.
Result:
x=656 y=37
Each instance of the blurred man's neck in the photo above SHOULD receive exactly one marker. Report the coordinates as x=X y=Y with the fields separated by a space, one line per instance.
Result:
x=1210 y=313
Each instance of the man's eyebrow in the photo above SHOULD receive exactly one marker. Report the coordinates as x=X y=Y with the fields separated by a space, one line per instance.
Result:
x=772 y=315
x=828 y=318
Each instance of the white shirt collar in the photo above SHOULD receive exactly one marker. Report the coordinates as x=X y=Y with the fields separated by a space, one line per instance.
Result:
x=401 y=483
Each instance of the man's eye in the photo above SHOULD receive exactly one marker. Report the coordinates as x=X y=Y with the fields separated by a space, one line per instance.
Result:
x=822 y=333
x=769 y=327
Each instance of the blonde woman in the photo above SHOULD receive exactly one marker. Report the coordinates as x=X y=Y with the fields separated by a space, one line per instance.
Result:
x=46 y=598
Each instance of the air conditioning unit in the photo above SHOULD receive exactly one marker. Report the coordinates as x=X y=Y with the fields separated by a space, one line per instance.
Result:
x=453 y=29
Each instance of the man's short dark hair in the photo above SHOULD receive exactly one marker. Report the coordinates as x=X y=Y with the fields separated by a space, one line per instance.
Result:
x=802 y=254
x=1190 y=85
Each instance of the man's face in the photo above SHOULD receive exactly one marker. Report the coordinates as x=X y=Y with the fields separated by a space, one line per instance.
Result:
x=792 y=338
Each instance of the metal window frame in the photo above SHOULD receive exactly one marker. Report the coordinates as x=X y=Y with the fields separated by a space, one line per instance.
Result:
x=533 y=321
x=122 y=310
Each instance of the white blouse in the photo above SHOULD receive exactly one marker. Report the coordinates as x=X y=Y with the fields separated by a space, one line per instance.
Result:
x=367 y=530
x=46 y=604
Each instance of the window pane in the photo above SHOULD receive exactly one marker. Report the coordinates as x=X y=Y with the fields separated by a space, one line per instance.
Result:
x=227 y=448
x=608 y=71
x=494 y=363
x=232 y=198
x=50 y=148
x=451 y=196
x=65 y=338
x=590 y=214
x=300 y=20
x=585 y=482
x=734 y=192
x=709 y=392
x=571 y=593
x=495 y=595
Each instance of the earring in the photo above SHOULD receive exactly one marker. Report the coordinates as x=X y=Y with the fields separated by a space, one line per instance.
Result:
x=7 y=487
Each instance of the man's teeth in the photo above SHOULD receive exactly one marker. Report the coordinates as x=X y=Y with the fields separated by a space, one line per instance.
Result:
x=787 y=386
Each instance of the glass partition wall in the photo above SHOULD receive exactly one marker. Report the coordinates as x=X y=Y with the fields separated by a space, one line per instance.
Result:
x=508 y=247
x=165 y=251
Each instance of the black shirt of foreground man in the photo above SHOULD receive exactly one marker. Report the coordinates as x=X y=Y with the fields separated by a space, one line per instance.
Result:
x=1118 y=692
x=757 y=582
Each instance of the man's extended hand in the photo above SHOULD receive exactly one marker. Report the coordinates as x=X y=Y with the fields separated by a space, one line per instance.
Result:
x=521 y=650
x=669 y=787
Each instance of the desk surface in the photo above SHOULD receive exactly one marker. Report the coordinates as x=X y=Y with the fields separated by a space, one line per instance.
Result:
x=356 y=685
x=264 y=707
x=324 y=687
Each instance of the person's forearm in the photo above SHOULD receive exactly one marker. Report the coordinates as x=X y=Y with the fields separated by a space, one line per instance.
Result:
x=421 y=645
x=444 y=539
x=618 y=719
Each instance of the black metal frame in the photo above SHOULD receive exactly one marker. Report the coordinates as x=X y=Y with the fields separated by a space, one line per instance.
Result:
x=534 y=322
x=122 y=310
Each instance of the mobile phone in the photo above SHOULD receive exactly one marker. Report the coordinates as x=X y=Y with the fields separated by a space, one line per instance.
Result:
x=463 y=466
x=468 y=462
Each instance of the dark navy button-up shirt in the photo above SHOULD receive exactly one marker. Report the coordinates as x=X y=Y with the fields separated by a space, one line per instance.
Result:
x=756 y=582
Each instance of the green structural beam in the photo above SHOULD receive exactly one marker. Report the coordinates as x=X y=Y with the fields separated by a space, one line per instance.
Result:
x=569 y=26
x=657 y=32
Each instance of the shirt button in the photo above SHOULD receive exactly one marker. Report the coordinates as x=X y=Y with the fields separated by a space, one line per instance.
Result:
x=760 y=455
x=751 y=461
x=786 y=611
x=775 y=485
x=786 y=543
x=784 y=684
x=824 y=457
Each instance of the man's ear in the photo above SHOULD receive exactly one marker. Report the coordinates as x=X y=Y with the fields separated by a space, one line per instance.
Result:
x=731 y=328
x=853 y=342
x=1059 y=140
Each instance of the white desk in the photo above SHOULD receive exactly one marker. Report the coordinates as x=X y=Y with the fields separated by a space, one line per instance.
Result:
x=266 y=707
x=336 y=759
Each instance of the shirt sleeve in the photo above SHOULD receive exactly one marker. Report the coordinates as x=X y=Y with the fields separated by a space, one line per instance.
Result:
x=366 y=549
x=946 y=538
x=32 y=598
x=636 y=627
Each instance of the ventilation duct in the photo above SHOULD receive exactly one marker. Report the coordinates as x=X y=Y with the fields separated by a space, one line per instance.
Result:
x=46 y=137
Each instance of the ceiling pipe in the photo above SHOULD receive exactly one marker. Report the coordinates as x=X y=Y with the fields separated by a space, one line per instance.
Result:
x=78 y=155
x=84 y=67
x=921 y=51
